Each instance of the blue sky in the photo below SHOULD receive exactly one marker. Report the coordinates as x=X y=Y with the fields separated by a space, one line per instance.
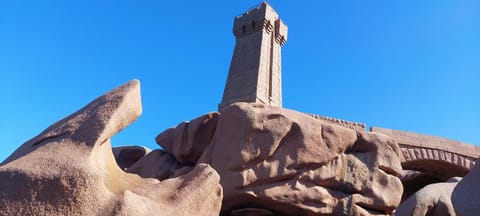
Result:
x=407 y=65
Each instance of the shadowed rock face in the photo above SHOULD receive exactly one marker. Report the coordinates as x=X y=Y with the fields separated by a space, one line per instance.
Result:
x=433 y=199
x=69 y=169
x=465 y=195
x=126 y=156
x=278 y=161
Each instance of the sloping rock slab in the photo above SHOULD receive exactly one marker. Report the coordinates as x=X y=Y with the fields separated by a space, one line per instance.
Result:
x=69 y=169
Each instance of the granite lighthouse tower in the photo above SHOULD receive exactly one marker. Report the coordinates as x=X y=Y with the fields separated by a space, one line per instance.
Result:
x=255 y=73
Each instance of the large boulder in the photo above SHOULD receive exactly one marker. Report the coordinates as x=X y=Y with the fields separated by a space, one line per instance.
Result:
x=188 y=140
x=70 y=169
x=465 y=197
x=282 y=162
x=433 y=199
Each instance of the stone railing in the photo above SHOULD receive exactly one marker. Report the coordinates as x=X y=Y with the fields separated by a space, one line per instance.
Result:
x=348 y=124
x=420 y=147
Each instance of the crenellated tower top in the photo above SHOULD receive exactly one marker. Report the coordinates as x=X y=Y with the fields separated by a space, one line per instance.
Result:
x=262 y=17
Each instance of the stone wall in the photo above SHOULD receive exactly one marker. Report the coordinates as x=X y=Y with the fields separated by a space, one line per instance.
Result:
x=419 y=146
x=435 y=156
x=438 y=156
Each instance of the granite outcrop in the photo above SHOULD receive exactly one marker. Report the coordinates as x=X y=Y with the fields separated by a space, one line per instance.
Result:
x=70 y=169
x=246 y=159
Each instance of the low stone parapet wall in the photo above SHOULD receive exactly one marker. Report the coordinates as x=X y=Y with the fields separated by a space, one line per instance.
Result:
x=416 y=146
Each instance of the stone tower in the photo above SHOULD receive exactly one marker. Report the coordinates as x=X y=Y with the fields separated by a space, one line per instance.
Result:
x=256 y=69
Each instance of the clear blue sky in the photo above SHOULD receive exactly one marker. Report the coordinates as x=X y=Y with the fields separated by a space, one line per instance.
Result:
x=407 y=65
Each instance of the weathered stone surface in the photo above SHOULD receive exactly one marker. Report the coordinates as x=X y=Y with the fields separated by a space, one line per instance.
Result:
x=70 y=169
x=158 y=164
x=187 y=141
x=465 y=196
x=433 y=199
x=286 y=162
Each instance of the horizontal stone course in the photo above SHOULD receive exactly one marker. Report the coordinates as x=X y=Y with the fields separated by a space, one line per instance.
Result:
x=416 y=146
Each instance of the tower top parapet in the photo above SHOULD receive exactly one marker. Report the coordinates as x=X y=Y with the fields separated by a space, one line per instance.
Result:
x=255 y=8
x=261 y=17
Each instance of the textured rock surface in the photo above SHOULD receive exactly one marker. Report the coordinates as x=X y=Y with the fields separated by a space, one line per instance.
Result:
x=434 y=199
x=70 y=169
x=249 y=159
x=188 y=140
x=465 y=197
x=158 y=164
x=274 y=160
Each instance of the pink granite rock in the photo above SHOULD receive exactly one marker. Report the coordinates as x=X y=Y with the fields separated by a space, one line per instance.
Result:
x=187 y=141
x=465 y=196
x=69 y=169
x=433 y=199
x=279 y=161
x=158 y=164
